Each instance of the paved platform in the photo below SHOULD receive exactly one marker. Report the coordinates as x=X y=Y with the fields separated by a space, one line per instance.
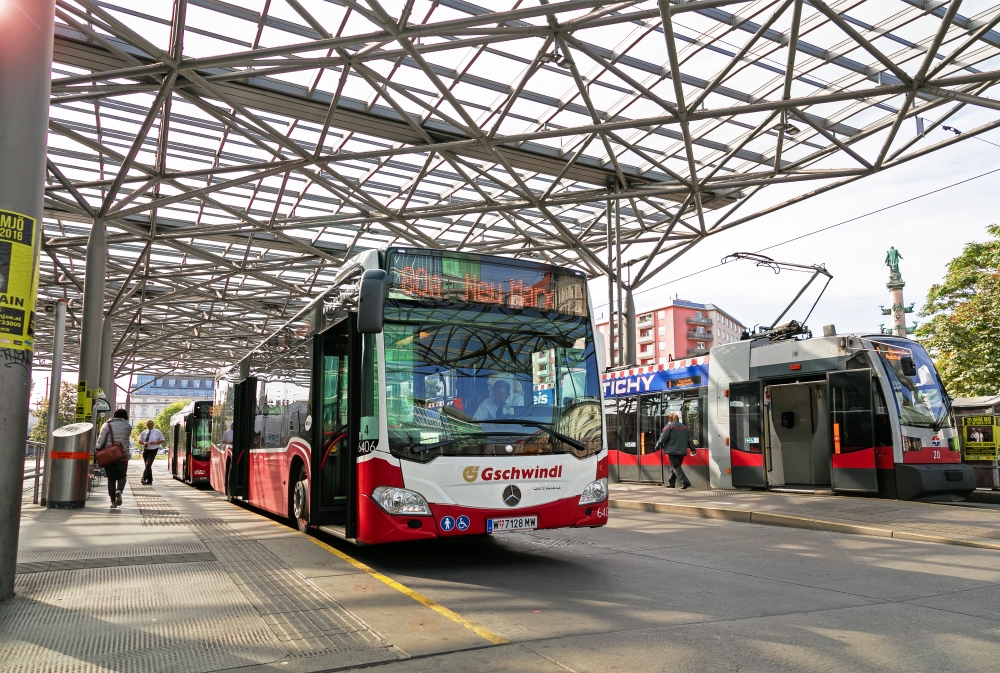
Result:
x=966 y=524
x=180 y=580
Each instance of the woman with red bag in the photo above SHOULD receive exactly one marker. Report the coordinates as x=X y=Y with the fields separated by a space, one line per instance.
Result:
x=117 y=430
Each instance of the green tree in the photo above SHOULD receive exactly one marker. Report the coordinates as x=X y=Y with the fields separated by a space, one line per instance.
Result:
x=963 y=333
x=161 y=422
x=67 y=412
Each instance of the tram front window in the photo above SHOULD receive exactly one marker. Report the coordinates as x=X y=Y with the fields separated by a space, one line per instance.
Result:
x=920 y=398
x=475 y=381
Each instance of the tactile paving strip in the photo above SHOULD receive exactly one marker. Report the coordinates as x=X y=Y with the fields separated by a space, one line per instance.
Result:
x=42 y=554
x=133 y=619
x=107 y=562
x=303 y=618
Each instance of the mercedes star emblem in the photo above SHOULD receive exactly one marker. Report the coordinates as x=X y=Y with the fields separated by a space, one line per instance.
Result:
x=511 y=496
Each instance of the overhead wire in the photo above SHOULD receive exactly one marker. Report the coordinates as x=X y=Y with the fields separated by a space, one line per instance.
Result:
x=822 y=229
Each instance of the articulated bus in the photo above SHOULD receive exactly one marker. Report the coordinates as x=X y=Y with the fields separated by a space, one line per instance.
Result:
x=856 y=413
x=190 y=444
x=425 y=394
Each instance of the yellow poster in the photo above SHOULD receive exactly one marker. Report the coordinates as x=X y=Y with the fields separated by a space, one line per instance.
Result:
x=84 y=403
x=980 y=437
x=18 y=281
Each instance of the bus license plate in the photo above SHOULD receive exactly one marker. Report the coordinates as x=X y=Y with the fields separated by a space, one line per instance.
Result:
x=511 y=523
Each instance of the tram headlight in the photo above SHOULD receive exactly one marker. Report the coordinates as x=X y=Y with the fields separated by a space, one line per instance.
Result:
x=401 y=501
x=596 y=491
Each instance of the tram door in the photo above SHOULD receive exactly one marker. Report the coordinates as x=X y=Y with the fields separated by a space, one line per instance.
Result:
x=747 y=434
x=651 y=423
x=244 y=411
x=628 y=445
x=852 y=431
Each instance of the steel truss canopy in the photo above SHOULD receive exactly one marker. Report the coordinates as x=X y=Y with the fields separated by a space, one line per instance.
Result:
x=238 y=152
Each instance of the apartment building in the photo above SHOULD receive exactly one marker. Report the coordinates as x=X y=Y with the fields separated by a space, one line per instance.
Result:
x=151 y=394
x=681 y=329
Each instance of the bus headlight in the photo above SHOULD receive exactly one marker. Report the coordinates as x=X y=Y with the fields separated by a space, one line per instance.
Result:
x=400 y=501
x=596 y=491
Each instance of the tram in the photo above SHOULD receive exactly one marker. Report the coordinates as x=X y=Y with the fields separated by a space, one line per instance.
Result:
x=425 y=394
x=189 y=449
x=855 y=413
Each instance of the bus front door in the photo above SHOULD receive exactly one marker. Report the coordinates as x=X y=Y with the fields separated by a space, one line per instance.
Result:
x=852 y=431
x=650 y=424
x=747 y=434
x=333 y=460
x=244 y=411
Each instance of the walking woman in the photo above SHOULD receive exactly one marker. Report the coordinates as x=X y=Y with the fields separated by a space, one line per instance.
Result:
x=118 y=429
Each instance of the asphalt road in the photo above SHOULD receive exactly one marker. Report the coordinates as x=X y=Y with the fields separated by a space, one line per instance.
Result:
x=651 y=592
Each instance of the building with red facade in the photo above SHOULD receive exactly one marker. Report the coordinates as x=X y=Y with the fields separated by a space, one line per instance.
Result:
x=681 y=329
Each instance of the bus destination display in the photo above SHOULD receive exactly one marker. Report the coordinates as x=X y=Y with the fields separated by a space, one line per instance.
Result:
x=461 y=280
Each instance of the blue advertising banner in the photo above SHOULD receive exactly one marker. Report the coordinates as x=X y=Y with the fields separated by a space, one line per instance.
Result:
x=676 y=375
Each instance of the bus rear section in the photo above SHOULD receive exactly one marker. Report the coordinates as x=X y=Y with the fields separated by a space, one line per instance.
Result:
x=857 y=414
x=474 y=409
x=189 y=454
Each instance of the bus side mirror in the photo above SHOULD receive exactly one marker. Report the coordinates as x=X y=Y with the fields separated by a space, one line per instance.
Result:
x=371 y=300
x=906 y=364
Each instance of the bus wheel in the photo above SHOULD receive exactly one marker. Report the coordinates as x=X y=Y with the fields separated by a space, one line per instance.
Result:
x=300 y=502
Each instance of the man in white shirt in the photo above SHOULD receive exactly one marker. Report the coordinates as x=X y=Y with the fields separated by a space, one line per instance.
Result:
x=151 y=440
x=495 y=406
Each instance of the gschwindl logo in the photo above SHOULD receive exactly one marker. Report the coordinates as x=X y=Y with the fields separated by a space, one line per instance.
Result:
x=471 y=473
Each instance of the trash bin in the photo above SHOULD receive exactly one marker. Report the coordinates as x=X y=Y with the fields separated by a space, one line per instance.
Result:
x=67 y=467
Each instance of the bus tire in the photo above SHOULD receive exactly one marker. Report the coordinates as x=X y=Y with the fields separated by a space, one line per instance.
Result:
x=298 y=501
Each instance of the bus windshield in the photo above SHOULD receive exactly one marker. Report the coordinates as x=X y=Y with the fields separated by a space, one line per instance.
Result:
x=489 y=380
x=920 y=399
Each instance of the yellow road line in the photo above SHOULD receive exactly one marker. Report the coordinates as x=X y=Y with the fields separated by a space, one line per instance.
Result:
x=418 y=597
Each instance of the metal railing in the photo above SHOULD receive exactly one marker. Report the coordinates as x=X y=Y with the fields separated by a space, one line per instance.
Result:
x=33 y=452
x=700 y=336
x=698 y=321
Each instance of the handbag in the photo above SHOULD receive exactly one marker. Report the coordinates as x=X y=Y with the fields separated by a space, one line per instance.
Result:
x=111 y=453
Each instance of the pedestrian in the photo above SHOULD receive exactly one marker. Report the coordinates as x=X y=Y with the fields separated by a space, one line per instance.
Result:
x=118 y=429
x=151 y=440
x=675 y=442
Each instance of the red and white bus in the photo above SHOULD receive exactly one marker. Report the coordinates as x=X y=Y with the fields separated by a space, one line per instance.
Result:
x=189 y=450
x=425 y=394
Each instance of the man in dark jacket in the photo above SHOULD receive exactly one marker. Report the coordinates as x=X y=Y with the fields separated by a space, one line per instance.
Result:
x=675 y=442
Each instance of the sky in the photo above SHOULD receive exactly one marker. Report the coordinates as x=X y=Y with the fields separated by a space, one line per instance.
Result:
x=928 y=232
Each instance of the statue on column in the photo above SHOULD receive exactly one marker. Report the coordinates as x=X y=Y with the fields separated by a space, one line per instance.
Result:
x=895 y=286
x=892 y=260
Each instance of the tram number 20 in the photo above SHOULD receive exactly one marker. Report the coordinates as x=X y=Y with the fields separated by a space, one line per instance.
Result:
x=937 y=455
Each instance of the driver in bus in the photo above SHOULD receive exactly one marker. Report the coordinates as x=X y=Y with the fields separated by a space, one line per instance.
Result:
x=496 y=405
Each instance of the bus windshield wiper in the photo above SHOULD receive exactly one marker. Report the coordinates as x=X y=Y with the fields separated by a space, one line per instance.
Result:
x=542 y=426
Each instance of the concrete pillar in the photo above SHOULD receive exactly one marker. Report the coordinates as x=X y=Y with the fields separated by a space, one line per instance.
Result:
x=611 y=294
x=622 y=338
x=26 y=32
x=631 y=354
x=92 y=328
x=107 y=373
x=55 y=384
